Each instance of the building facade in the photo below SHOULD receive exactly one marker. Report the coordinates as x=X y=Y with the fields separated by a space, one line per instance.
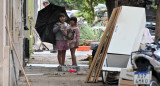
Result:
x=14 y=16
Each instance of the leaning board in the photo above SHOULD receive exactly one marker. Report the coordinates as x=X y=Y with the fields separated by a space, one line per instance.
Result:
x=128 y=31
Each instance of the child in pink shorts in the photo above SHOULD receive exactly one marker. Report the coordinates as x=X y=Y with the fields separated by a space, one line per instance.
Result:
x=74 y=38
x=61 y=41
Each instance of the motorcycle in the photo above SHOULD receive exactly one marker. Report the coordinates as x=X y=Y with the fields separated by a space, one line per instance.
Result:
x=146 y=65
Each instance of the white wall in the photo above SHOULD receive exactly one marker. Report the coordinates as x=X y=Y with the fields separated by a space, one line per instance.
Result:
x=2 y=38
x=15 y=22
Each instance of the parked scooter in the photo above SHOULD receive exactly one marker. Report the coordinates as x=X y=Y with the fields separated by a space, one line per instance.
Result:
x=146 y=65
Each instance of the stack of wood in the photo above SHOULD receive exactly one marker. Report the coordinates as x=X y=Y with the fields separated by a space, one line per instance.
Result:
x=99 y=59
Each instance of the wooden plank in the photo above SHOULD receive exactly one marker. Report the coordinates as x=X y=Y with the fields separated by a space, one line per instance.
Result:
x=126 y=82
x=106 y=46
x=102 y=56
x=95 y=59
x=110 y=24
x=106 y=43
x=13 y=48
x=100 y=48
x=101 y=63
x=39 y=38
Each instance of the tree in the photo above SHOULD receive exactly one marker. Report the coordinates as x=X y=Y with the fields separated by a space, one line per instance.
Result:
x=157 y=31
x=59 y=3
x=110 y=4
x=86 y=7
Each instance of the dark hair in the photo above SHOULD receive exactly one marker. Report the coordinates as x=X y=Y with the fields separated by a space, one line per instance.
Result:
x=61 y=15
x=74 y=19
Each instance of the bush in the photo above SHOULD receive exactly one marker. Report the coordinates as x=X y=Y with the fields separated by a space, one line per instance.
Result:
x=87 y=33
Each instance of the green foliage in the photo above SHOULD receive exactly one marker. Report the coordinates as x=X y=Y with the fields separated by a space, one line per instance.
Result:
x=154 y=5
x=86 y=33
x=59 y=2
x=31 y=51
x=85 y=7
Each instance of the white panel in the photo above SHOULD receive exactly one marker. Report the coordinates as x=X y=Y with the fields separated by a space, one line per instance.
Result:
x=115 y=60
x=111 y=69
x=128 y=31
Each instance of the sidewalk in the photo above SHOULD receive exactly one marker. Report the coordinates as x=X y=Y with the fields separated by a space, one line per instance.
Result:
x=46 y=74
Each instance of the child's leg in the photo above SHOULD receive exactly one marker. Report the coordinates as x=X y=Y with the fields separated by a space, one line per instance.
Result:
x=74 y=62
x=63 y=56
x=60 y=57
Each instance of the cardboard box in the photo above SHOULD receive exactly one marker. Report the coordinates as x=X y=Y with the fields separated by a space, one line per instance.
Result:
x=126 y=83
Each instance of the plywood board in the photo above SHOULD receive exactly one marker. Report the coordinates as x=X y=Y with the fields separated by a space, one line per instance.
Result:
x=126 y=83
x=128 y=31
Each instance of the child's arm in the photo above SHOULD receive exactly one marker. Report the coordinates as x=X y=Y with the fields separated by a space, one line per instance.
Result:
x=65 y=31
x=77 y=36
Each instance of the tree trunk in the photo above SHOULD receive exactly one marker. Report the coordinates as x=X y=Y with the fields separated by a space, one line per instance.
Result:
x=92 y=9
x=110 y=4
x=157 y=31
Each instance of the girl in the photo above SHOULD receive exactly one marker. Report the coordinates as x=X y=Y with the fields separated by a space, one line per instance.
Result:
x=61 y=41
x=73 y=35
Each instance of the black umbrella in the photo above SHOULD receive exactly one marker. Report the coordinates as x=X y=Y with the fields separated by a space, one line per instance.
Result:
x=47 y=17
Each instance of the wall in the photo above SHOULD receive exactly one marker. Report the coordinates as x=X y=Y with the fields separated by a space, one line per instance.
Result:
x=2 y=39
x=12 y=13
x=17 y=14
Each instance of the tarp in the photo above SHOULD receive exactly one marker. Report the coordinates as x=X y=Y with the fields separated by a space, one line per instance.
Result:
x=46 y=18
x=147 y=38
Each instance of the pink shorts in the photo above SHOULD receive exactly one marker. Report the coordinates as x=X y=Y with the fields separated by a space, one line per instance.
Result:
x=61 y=45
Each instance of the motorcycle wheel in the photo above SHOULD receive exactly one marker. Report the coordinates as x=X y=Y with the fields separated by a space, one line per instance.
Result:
x=154 y=81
